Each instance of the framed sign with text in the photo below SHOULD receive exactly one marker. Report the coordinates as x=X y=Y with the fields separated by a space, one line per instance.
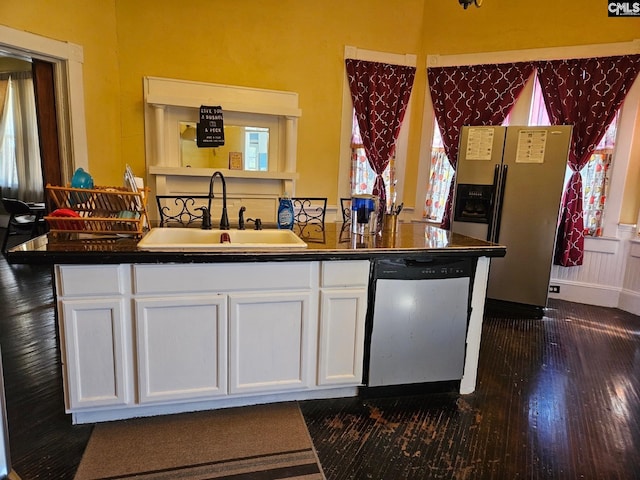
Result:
x=210 y=131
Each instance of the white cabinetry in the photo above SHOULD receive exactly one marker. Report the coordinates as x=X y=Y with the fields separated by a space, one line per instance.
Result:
x=94 y=332
x=181 y=347
x=147 y=339
x=270 y=341
x=343 y=308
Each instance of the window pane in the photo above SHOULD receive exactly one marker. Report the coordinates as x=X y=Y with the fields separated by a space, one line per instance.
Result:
x=440 y=176
x=595 y=174
x=362 y=175
x=8 y=166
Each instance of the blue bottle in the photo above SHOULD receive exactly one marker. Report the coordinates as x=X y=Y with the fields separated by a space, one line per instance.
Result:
x=285 y=213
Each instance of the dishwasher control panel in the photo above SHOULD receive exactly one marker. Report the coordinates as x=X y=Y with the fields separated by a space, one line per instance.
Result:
x=407 y=269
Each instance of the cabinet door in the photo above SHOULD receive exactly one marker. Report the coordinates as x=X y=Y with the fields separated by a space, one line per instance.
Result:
x=94 y=355
x=182 y=347
x=269 y=341
x=341 y=343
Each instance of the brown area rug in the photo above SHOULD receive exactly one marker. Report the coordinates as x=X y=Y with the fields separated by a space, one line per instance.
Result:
x=264 y=442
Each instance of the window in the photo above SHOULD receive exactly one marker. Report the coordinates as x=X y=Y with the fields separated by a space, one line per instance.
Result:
x=8 y=168
x=362 y=175
x=20 y=165
x=256 y=148
x=439 y=179
x=595 y=175
x=349 y=155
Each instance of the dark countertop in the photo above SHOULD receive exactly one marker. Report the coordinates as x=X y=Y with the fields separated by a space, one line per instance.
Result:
x=335 y=242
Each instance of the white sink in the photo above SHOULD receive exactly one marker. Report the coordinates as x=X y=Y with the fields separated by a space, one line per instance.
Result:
x=190 y=239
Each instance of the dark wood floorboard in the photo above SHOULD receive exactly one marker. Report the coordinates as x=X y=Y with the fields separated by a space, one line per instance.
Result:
x=557 y=398
x=43 y=442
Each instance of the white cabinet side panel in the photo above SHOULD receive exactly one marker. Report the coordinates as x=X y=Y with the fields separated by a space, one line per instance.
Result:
x=95 y=361
x=341 y=344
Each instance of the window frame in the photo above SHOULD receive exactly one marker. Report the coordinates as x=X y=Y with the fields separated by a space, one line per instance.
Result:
x=627 y=142
x=402 y=144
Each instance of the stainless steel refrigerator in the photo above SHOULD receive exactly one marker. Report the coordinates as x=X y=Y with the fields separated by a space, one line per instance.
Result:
x=509 y=183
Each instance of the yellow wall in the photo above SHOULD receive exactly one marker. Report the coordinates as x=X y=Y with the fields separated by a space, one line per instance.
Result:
x=284 y=45
x=513 y=25
x=90 y=24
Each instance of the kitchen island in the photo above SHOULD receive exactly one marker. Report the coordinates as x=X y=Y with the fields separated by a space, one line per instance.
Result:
x=156 y=332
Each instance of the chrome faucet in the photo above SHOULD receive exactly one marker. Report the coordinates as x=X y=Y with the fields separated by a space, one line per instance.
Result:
x=224 y=220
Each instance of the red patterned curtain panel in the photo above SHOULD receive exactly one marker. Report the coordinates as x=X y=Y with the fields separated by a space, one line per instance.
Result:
x=476 y=95
x=585 y=93
x=380 y=94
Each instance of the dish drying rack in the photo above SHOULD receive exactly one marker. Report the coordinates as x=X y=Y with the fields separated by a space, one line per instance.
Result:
x=99 y=210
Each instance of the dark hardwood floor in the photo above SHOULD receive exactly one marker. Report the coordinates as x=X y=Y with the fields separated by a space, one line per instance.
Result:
x=557 y=398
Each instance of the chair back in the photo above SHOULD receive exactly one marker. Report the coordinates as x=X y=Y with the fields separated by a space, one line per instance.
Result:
x=21 y=220
x=345 y=205
x=14 y=206
x=309 y=210
x=180 y=210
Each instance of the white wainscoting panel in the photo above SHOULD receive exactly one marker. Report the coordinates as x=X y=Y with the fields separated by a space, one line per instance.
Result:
x=630 y=295
x=609 y=275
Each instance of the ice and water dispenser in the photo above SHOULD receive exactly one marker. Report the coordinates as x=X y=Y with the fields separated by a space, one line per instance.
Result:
x=473 y=203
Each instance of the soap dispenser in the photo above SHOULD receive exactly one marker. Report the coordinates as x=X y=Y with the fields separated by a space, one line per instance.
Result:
x=285 y=213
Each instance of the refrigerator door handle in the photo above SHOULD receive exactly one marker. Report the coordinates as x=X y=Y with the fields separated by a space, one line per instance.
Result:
x=494 y=202
x=500 y=203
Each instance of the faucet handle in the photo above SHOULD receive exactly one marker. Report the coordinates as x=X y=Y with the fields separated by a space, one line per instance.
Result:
x=206 y=218
x=257 y=221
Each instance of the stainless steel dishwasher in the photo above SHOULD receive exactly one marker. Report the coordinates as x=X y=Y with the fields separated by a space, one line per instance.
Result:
x=417 y=333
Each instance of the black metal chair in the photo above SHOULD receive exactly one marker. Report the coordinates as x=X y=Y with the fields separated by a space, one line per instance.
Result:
x=308 y=214
x=22 y=220
x=181 y=210
x=345 y=205
x=309 y=210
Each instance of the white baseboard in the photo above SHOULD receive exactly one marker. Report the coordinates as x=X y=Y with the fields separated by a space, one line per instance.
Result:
x=630 y=302
x=600 y=295
x=590 y=294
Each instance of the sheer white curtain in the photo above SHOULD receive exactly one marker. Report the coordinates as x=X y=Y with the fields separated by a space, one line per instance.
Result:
x=8 y=170
x=20 y=166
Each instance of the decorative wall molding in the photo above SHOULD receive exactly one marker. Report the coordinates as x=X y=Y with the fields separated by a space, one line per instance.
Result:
x=587 y=293
x=609 y=276
x=629 y=301
x=184 y=93
x=533 y=54
x=169 y=101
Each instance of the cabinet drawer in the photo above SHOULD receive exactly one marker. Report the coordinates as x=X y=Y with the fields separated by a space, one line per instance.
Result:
x=347 y=273
x=85 y=280
x=221 y=277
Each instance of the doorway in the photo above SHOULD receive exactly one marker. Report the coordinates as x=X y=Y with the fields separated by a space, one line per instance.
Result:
x=59 y=99
x=29 y=153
